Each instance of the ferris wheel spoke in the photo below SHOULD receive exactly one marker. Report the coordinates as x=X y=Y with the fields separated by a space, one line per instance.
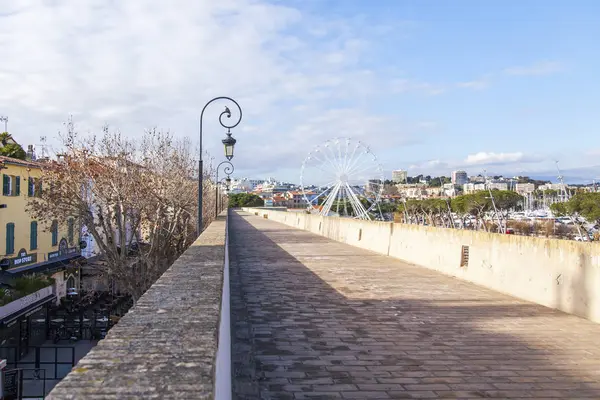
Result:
x=345 y=163
x=320 y=168
x=349 y=160
x=351 y=201
x=339 y=149
x=323 y=164
x=339 y=195
x=345 y=203
x=322 y=193
x=333 y=160
x=354 y=161
x=362 y=167
x=330 y=199
x=357 y=204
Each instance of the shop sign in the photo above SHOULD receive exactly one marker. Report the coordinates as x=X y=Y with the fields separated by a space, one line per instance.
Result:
x=23 y=258
x=54 y=255
x=24 y=302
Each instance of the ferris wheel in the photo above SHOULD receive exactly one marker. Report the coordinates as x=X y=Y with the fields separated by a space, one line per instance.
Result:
x=342 y=177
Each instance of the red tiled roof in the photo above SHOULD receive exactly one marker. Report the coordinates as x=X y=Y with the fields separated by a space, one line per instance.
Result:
x=24 y=163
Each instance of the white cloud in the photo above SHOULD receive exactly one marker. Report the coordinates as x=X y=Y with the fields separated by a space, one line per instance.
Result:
x=406 y=86
x=429 y=165
x=478 y=84
x=490 y=158
x=141 y=63
x=538 y=69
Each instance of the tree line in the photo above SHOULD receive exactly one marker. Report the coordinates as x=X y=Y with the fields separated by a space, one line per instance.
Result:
x=136 y=198
x=478 y=205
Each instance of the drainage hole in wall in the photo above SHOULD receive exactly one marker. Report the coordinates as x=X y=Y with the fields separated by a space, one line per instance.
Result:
x=464 y=256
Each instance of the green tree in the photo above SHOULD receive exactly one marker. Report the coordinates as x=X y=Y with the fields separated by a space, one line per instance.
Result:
x=9 y=148
x=585 y=204
x=245 y=200
x=436 y=182
x=559 y=209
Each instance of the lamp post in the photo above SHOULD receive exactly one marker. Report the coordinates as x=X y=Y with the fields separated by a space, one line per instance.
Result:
x=228 y=142
x=228 y=169
x=227 y=182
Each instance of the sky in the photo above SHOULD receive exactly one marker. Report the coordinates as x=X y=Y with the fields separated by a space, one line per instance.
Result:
x=507 y=86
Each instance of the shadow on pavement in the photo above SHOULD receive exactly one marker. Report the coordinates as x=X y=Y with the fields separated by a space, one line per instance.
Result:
x=313 y=318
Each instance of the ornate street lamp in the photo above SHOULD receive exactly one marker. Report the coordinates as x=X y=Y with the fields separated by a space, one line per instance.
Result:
x=228 y=142
x=227 y=182
x=228 y=169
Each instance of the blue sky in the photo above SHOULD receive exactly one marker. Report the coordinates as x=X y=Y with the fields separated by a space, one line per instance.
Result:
x=431 y=86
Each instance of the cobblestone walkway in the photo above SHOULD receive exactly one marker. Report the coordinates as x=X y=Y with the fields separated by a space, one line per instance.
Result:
x=314 y=318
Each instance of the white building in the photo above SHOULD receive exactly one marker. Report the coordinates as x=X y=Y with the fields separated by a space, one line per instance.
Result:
x=243 y=185
x=459 y=178
x=498 y=185
x=524 y=188
x=469 y=188
x=399 y=176
x=552 y=186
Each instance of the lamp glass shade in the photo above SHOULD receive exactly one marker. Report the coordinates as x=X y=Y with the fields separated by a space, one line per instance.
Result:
x=229 y=151
x=229 y=142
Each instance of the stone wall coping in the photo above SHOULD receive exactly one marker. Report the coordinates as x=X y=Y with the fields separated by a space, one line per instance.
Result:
x=166 y=346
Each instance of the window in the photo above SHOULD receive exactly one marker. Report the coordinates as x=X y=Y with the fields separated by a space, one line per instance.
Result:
x=70 y=283
x=6 y=185
x=31 y=187
x=10 y=238
x=11 y=185
x=54 y=230
x=33 y=235
x=71 y=230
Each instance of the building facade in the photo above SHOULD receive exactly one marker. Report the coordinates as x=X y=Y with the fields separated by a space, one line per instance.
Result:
x=27 y=246
x=459 y=178
x=524 y=188
x=399 y=176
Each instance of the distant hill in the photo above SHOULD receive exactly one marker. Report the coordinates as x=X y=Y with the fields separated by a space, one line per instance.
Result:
x=571 y=176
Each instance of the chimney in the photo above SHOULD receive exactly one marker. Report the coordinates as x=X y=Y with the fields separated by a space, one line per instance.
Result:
x=30 y=154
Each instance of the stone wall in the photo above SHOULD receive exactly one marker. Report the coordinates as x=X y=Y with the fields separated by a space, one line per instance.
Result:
x=555 y=273
x=166 y=346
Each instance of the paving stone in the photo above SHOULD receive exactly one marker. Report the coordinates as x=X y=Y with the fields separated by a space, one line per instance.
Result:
x=363 y=320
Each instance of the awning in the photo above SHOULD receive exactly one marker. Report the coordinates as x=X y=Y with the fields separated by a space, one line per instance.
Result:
x=30 y=309
x=47 y=266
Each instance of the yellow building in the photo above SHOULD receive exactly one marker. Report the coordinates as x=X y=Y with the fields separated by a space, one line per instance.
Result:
x=27 y=245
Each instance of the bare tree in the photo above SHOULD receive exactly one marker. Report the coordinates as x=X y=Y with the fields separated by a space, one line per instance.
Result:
x=137 y=199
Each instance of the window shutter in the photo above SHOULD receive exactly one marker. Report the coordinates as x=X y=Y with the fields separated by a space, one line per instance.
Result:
x=6 y=185
x=17 y=186
x=33 y=236
x=54 y=233
x=10 y=238
x=30 y=187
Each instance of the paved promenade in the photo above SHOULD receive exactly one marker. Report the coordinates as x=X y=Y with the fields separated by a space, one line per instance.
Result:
x=313 y=318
